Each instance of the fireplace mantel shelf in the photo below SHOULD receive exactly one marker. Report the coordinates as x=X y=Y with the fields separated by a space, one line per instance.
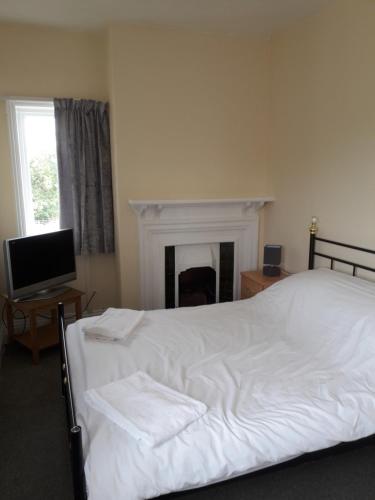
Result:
x=141 y=206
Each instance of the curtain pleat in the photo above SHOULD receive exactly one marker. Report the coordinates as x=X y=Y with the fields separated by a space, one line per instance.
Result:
x=85 y=175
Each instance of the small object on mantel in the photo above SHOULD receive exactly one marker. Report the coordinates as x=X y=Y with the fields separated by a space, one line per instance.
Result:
x=253 y=282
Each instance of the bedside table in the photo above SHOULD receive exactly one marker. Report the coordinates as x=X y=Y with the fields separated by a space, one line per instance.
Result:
x=253 y=282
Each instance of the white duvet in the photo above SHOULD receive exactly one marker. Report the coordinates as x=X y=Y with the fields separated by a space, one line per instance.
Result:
x=290 y=371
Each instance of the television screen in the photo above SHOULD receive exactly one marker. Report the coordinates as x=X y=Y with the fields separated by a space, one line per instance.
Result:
x=37 y=262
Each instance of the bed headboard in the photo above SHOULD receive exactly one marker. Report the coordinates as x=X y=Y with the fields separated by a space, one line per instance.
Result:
x=312 y=253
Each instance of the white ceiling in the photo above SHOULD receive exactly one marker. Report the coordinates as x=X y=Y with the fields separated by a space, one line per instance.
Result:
x=252 y=16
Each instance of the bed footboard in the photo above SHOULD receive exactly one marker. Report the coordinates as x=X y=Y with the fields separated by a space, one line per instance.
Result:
x=74 y=430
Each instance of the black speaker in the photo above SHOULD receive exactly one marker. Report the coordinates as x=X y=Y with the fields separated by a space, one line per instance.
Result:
x=272 y=260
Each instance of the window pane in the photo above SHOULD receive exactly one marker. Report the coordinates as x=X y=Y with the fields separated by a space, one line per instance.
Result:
x=36 y=166
x=40 y=145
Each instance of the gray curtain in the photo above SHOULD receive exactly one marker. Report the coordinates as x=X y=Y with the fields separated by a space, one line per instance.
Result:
x=85 y=177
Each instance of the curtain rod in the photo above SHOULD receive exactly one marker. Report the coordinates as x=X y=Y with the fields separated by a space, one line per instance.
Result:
x=23 y=98
x=44 y=99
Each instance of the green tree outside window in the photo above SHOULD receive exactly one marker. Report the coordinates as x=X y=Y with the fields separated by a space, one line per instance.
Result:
x=44 y=184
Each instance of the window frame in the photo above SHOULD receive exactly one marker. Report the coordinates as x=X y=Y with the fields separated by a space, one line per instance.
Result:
x=21 y=172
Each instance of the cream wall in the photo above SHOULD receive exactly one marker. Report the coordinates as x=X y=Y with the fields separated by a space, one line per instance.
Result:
x=205 y=115
x=190 y=119
x=323 y=129
x=51 y=62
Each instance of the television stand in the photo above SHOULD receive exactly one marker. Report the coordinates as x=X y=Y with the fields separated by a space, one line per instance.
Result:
x=40 y=337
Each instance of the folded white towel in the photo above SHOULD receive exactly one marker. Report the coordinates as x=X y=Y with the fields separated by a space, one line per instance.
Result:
x=114 y=324
x=146 y=409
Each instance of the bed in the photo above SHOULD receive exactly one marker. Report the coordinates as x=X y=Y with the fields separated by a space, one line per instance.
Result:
x=283 y=374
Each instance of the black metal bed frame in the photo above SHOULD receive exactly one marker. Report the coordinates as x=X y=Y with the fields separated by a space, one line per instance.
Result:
x=75 y=431
x=313 y=252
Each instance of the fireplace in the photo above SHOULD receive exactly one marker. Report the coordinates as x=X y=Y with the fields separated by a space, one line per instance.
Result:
x=224 y=234
x=199 y=274
x=197 y=286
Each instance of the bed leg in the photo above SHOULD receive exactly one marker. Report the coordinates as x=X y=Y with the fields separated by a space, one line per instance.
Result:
x=79 y=483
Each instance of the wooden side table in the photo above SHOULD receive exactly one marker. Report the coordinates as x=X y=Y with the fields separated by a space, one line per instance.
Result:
x=37 y=338
x=253 y=282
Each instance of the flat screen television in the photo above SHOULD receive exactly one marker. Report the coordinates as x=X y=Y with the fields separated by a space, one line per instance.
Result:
x=36 y=264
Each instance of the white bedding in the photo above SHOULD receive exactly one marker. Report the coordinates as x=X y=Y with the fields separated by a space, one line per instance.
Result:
x=287 y=372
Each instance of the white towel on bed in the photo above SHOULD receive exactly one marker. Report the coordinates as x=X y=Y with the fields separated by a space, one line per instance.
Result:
x=114 y=324
x=146 y=409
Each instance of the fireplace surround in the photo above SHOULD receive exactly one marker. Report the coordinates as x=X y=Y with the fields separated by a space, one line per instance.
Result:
x=167 y=223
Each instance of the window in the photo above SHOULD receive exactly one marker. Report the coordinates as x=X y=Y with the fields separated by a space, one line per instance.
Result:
x=32 y=126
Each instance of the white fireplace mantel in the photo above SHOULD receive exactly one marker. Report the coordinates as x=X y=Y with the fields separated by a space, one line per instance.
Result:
x=155 y=208
x=182 y=222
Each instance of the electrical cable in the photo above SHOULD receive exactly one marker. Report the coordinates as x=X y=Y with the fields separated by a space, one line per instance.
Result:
x=24 y=318
x=3 y=316
x=89 y=301
x=71 y=315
